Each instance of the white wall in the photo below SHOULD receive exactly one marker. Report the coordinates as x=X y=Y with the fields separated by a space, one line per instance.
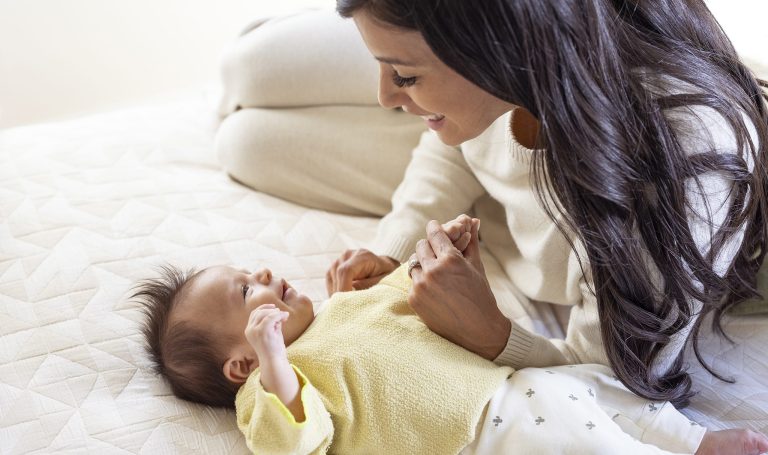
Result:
x=61 y=58
x=746 y=23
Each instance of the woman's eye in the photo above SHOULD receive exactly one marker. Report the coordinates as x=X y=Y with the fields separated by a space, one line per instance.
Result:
x=401 y=81
x=245 y=290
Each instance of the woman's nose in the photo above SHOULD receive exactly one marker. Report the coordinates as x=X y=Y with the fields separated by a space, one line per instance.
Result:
x=264 y=276
x=390 y=95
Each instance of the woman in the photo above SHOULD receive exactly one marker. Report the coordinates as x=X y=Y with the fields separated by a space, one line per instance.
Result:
x=643 y=206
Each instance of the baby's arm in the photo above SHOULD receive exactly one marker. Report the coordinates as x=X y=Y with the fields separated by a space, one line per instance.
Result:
x=279 y=411
x=265 y=335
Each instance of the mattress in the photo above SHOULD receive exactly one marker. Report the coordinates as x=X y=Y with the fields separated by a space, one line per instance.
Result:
x=90 y=206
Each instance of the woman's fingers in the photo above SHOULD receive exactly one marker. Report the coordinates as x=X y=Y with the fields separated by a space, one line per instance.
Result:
x=439 y=241
x=733 y=441
x=424 y=253
x=472 y=251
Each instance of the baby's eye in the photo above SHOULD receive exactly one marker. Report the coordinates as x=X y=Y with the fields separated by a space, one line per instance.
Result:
x=245 y=290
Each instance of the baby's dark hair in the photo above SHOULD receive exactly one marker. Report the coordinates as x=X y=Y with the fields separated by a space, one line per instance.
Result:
x=188 y=357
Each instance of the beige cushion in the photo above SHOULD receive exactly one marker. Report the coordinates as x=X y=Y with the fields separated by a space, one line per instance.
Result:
x=310 y=59
x=300 y=118
x=344 y=159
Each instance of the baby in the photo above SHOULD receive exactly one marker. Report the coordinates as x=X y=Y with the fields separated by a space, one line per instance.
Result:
x=367 y=376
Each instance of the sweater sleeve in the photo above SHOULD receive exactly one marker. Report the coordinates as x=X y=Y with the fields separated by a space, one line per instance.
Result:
x=438 y=185
x=582 y=344
x=708 y=207
x=270 y=428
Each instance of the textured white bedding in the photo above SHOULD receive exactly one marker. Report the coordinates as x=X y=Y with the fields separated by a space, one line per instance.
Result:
x=88 y=207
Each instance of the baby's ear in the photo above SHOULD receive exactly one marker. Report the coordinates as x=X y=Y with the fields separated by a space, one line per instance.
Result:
x=238 y=367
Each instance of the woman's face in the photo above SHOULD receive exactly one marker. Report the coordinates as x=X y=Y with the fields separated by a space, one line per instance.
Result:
x=412 y=77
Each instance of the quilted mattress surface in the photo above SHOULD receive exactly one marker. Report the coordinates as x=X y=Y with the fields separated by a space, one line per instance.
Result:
x=89 y=206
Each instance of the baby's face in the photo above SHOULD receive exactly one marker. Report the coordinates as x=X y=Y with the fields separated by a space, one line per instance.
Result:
x=221 y=299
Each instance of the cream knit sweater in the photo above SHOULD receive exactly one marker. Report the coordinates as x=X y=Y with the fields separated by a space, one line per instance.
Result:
x=490 y=176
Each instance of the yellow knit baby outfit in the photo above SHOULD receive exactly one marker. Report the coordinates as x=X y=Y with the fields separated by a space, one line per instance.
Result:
x=374 y=379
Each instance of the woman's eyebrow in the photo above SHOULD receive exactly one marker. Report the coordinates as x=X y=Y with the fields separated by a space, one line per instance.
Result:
x=395 y=61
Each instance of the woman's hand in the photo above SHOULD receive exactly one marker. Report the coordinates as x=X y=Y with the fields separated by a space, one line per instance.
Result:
x=452 y=296
x=736 y=442
x=357 y=269
x=361 y=269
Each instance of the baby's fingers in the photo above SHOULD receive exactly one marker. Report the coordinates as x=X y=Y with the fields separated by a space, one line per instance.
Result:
x=274 y=318
x=261 y=312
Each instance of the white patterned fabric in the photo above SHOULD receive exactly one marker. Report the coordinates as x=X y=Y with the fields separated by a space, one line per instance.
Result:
x=90 y=206
x=579 y=409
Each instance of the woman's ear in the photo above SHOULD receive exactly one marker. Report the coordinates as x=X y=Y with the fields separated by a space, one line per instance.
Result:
x=239 y=366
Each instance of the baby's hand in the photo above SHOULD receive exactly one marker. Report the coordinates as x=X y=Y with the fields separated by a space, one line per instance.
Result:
x=459 y=231
x=264 y=332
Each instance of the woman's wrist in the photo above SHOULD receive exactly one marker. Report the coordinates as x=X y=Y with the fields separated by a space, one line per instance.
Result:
x=497 y=340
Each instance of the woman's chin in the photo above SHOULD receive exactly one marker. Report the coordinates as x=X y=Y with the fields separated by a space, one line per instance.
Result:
x=451 y=138
x=450 y=134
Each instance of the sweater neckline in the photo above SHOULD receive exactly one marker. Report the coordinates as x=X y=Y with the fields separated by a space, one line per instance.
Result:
x=518 y=150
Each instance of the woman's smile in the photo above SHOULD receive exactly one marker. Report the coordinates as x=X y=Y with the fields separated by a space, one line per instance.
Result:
x=434 y=121
x=413 y=78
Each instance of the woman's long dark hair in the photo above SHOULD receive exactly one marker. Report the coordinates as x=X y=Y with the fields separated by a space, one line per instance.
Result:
x=611 y=82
